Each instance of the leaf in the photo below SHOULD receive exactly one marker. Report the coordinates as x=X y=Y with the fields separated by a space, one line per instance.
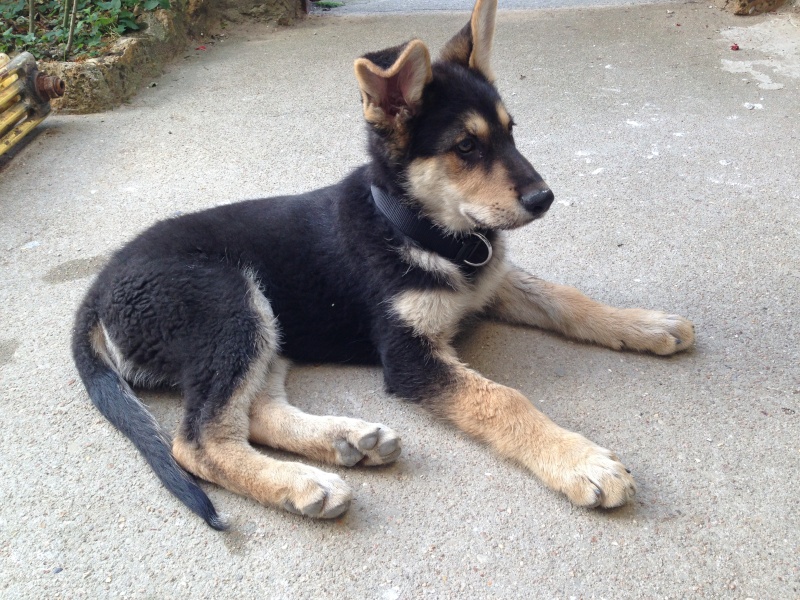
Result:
x=151 y=4
x=129 y=24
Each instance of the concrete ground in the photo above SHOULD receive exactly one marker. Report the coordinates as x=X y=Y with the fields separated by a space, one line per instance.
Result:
x=675 y=165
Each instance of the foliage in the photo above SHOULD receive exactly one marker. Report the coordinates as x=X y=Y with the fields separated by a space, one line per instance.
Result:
x=326 y=4
x=97 y=24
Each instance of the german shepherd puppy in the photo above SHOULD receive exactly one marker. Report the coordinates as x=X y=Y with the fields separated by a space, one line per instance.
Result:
x=382 y=267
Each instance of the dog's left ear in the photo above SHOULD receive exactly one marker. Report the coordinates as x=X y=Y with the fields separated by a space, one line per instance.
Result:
x=391 y=82
x=472 y=46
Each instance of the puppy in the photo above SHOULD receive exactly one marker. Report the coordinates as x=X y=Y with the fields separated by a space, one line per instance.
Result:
x=383 y=268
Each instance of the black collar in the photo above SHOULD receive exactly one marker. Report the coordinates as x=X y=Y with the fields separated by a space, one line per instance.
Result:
x=470 y=250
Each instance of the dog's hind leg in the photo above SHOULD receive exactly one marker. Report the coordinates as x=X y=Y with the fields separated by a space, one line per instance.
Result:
x=220 y=388
x=526 y=300
x=223 y=455
x=337 y=440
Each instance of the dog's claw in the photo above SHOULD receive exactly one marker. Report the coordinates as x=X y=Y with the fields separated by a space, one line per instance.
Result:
x=593 y=476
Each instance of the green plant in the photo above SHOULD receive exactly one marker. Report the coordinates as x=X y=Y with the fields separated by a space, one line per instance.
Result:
x=96 y=25
x=326 y=4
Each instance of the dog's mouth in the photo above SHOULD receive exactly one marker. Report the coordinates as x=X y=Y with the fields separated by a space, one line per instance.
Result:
x=505 y=222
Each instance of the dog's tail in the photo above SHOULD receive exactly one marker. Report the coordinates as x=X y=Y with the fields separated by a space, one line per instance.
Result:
x=114 y=398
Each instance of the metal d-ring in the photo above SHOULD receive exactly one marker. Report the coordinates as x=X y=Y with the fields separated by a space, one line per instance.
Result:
x=488 y=245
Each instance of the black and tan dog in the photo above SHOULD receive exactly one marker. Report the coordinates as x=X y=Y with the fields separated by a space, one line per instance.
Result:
x=382 y=267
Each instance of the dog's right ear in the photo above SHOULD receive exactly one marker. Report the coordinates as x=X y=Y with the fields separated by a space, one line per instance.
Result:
x=391 y=82
x=472 y=46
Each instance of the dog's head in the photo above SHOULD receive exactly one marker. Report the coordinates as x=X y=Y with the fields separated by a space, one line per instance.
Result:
x=442 y=132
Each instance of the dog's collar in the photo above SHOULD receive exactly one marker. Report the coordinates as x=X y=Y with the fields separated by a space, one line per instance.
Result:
x=470 y=250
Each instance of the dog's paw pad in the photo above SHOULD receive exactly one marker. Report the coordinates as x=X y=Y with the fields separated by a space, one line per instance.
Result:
x=368 y=441
x=386 y=450
x=368 y=444
x=346 y=454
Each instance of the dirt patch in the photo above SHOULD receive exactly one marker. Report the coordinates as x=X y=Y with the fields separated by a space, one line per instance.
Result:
x=757 y=7
x=75 y=269
x=282 y=12
x=7 y=350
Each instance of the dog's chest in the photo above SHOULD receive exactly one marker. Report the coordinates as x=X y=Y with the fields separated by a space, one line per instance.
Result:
x=437 y=313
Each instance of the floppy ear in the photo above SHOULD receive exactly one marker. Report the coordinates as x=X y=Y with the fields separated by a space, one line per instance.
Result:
x=472 y=46
x=391 y=81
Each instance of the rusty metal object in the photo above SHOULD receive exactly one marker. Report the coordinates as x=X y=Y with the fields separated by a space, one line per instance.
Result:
x=49 y=86
x=25 y=96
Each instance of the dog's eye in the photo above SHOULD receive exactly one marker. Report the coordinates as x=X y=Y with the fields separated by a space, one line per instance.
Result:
x=466 y=145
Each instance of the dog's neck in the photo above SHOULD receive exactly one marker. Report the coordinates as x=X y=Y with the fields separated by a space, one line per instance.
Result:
x=470 y=250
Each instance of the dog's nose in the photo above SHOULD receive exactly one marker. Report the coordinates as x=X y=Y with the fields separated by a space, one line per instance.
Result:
x=537 y=201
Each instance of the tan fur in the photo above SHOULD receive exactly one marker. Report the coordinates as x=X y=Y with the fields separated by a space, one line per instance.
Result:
x=502 y=114
x=98 y=338
x=491 y=196
x=437 y=314
x=476 y=125
x=292 y=486
x=441 y=200
x=501 y=416
x=336 y=440
x=505 y=420
x=482 y=24
x=460 y=199
x=526 y=300
x=430 y=262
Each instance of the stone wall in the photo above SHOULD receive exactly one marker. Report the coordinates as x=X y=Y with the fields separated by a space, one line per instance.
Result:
x=103 y=83
x=283 y=12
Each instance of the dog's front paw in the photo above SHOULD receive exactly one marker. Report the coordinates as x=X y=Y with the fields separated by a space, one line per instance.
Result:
x=590 y=475
x=315 y=493
x=654 y=331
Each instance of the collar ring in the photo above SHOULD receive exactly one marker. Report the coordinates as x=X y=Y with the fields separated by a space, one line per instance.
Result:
x=487 y=244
